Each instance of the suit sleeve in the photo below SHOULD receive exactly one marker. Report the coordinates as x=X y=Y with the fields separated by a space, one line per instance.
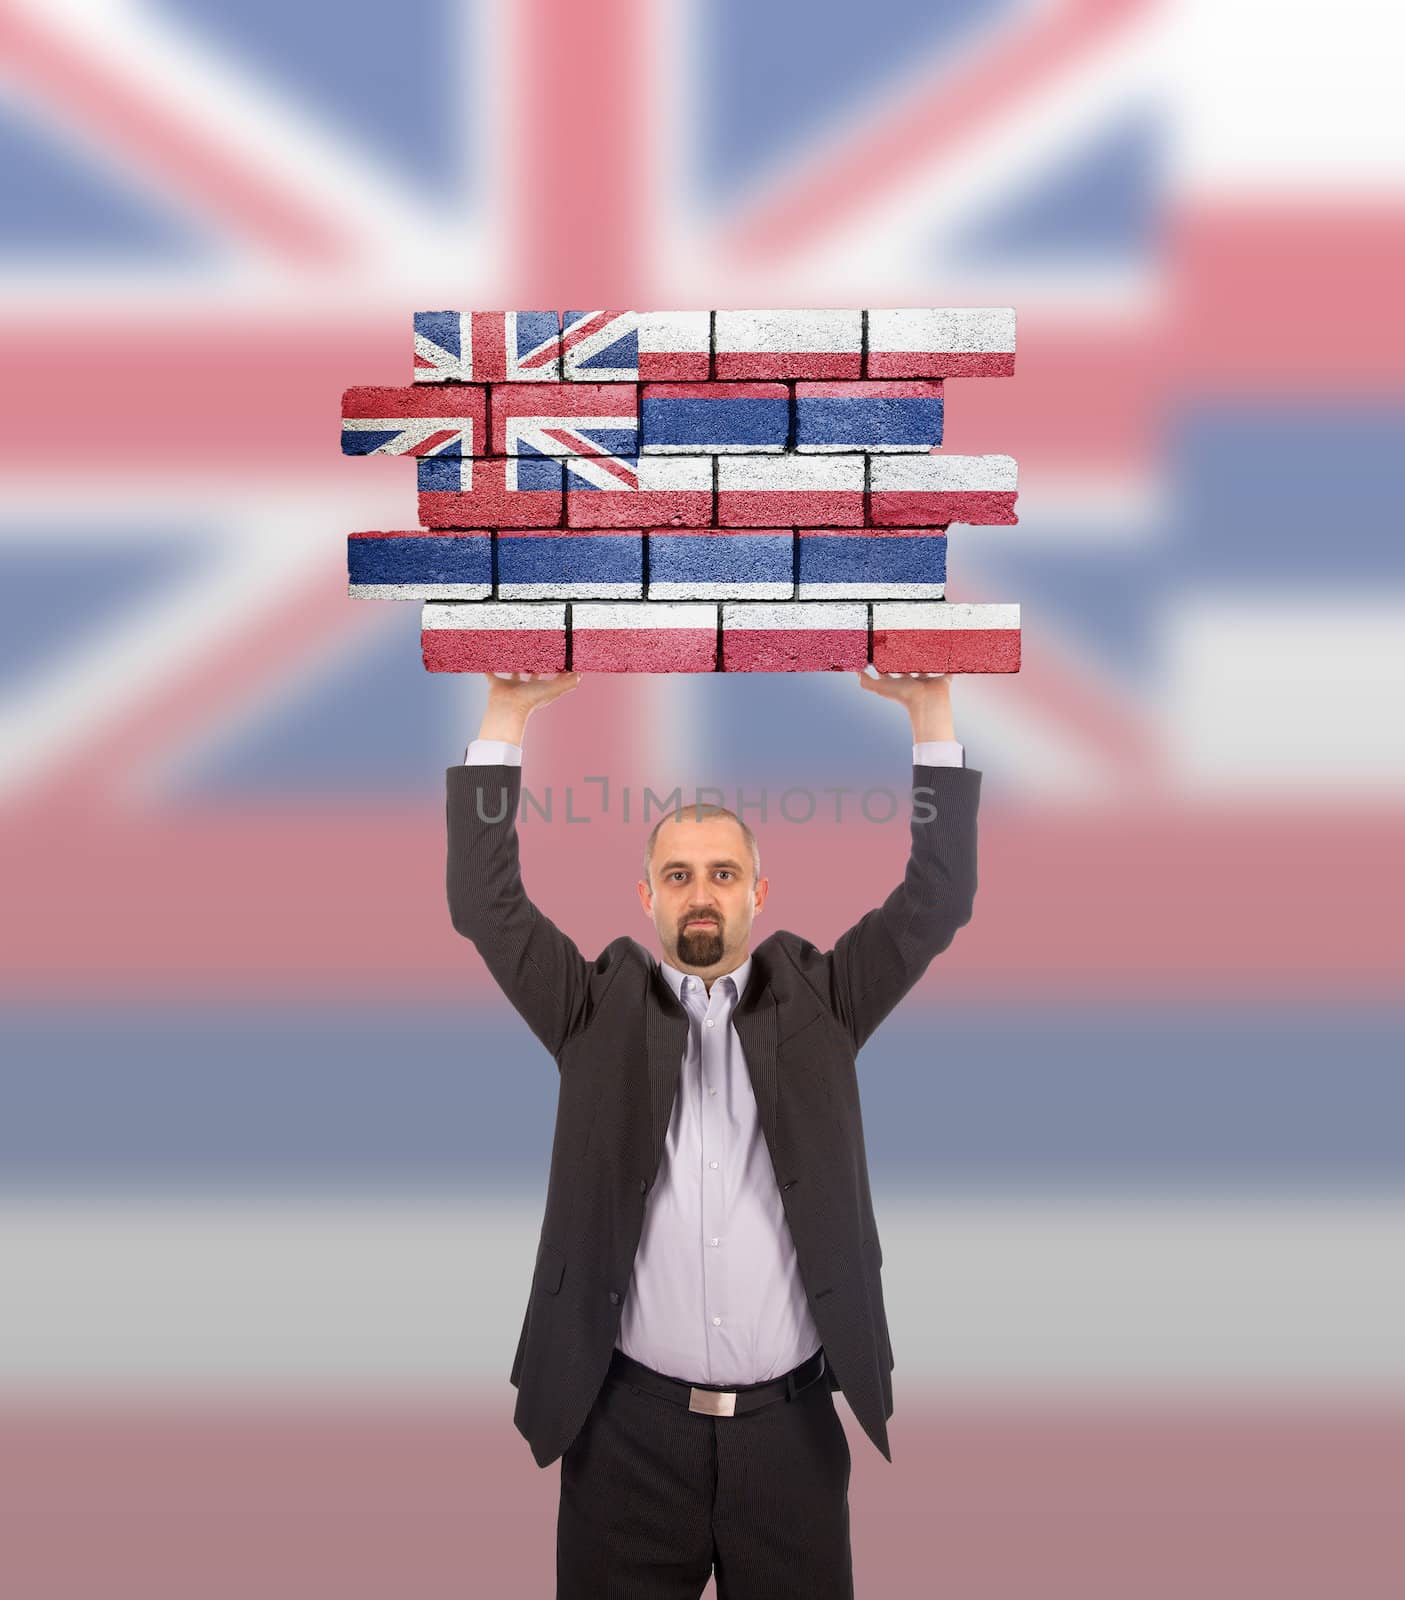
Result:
x=537 y=966
x=874 y=963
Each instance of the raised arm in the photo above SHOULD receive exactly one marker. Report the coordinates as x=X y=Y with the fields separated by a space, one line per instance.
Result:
x=877 y=961
x=537 y=966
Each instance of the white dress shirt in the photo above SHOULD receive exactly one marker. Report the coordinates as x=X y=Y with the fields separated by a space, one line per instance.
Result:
x=715 y=1295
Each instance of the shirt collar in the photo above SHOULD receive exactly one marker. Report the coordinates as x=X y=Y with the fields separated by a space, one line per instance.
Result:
x=738 y=975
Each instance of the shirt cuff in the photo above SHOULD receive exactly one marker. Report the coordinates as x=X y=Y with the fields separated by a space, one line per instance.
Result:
x=939 y=753
x=493 y=752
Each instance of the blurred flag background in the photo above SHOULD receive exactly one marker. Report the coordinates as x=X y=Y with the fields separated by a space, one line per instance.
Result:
x=273 y=1149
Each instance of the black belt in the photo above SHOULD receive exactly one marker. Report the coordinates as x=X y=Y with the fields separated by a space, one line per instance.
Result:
x=710 y=1398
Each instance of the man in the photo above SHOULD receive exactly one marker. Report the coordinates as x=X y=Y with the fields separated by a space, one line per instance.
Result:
x=708 y=1269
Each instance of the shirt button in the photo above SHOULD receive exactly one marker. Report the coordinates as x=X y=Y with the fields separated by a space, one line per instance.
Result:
x=714 y=1241
x=712 y=1163
x=709 y=1022
x=712 y=1091
x=717 y=1322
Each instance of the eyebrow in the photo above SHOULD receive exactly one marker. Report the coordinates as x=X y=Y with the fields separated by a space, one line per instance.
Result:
x=669 y=865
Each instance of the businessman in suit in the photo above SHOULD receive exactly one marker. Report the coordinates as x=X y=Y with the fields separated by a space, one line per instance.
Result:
x=708 y=1270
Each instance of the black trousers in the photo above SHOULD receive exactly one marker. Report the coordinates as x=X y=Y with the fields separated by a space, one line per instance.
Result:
x=654 y=1496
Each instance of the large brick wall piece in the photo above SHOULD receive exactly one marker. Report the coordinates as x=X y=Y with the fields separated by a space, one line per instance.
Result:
x=689 y=491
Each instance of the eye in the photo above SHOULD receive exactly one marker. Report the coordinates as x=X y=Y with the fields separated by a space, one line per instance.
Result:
x=726 y=872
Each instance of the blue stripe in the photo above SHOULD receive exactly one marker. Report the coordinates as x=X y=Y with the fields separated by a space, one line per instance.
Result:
x=614 y=558
x=835 y=558
x=868 y=421
x=1036 y=1098
x=721 y=558
x=709 y=423
x=425 y=558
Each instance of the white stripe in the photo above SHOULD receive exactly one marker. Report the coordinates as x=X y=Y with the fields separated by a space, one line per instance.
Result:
x=981 y=1293
x=569 y=591
x=495 y=614
x=675 y=332
x=786 y=332
x=791 y=473
x=643 y=614
x=668 y=590
x=812 y=588
x=419 y=591
x=741 y=618
x=944 y=473
x=950 y=614
x=967 y=328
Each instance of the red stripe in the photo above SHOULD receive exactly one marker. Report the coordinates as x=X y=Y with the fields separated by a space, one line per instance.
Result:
x=125 y=121
x=488 y=336
x=762 y=364
x=868 y=391
x=764 y=508
x=493 y=649
x=795 y=649
x=1053 y=919
x=432 y=443
x=689 y=367
x=946 y=649
x=608 y=508
x=1039 y=1497
x=939 y=364
x=570 y=338
x=584 y=447
x=937 y=508
x=643 y=649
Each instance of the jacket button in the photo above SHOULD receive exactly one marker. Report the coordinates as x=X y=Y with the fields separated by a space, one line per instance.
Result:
x=614 y=1297
x=643 y=1186
x=791 y=1184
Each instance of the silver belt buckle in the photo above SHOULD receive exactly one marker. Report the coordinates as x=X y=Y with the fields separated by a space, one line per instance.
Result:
x=713 y=1402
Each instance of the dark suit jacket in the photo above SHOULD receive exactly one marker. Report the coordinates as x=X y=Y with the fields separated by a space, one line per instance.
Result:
x=618 y=1033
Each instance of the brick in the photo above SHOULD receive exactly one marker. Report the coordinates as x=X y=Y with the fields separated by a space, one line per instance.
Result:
x=868 y=416
x=487 y=346
x=890 y=565
x=494 y=636
x=721 y=564
x=675 y=346
x=945 y=637
x=794 y=636
x=644 y=636
x=964 y=342
x=569 y=565
x=414 y=422
x=506 y=492
x=790 y=491
x=419 y=566
x=600 y=346
x=789 y=344
x=653 y=491
x=686 y=418
x=932 y=491
x=565 y=419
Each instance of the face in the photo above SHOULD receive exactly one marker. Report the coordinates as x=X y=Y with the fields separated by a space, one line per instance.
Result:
x=703 y=897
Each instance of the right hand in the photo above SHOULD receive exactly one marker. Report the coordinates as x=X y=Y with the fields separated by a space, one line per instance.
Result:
x=525 y=691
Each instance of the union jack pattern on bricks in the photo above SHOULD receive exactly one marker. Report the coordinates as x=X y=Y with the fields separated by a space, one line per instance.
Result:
x=774 y=474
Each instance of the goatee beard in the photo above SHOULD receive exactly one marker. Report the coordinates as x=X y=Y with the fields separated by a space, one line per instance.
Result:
x=700 y=947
